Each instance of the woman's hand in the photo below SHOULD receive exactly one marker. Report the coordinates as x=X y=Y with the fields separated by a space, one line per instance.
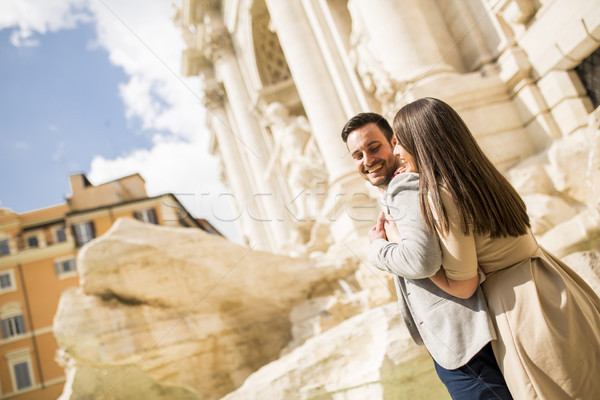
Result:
x=378 y=231
x=391 y=230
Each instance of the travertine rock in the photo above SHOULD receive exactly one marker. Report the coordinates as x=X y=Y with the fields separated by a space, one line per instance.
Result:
x=186 y=308
x=153 y=320
x=320 y=314
x=530 y=177
x=587 y=265
x=85 y=382
x=370 y=356
x=560 y=188
x=570 y=162
x=580 y=233
x=546 y=211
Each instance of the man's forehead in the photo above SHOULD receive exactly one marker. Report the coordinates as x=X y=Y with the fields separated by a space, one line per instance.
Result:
x=365 y=136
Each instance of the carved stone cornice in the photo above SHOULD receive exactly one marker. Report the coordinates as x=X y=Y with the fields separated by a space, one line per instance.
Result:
x=204 y=6
x=192 y=12
x=191 y=62
x=217 y=44
x=214 y=39
x=214 y=94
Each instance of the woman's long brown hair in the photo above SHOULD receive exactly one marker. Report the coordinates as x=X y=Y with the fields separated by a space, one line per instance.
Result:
x=448 y=156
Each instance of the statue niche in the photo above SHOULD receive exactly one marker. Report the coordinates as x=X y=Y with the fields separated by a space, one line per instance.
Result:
x=300 y=163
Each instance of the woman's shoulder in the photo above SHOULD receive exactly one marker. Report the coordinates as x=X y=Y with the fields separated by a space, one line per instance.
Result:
x=444 y=193
x=448 y=202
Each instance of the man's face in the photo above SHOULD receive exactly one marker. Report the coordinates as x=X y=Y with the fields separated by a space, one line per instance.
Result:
x=372 y=154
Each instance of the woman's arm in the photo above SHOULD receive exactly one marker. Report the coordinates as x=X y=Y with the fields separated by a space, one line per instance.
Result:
x=389 y=253
x=463 y=289
x=459 y=255
x=417 y=254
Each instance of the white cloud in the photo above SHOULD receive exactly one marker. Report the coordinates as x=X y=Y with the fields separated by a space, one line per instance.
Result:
x=141 y=37
x=148 y=46
x=179 y=167
x=41 y=16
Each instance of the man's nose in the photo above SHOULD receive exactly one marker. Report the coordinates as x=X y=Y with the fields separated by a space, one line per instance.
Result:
x=369 y=159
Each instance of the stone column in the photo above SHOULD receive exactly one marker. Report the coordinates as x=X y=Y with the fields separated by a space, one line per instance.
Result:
x=315 y=86
x=217 y=121
x=348 y=210
x=270 y=210
x=400 y=36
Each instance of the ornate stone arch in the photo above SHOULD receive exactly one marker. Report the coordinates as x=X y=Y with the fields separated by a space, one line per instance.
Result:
x=270 y=60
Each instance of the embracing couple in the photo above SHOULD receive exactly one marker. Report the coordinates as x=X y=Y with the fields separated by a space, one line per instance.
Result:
x=501 y=317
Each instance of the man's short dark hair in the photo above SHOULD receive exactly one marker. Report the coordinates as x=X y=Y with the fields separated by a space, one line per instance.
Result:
x=362 y=119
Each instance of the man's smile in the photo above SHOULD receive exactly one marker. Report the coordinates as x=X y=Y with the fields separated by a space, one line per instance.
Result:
x=375 y=168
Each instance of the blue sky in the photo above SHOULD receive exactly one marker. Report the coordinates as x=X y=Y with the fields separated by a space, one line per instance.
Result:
x=60 y=107
x=94 y=86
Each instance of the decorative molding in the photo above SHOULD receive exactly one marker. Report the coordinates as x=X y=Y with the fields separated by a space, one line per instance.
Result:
x=217 y=44
x=214 y=94
x=30 y=255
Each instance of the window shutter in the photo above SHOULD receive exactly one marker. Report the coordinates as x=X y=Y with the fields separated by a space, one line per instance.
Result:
x=5 y=281
x=22 y=375
x=32 y=241
x=92 y=229
x=60 y=235
x=4 y=247
x=5 y=331
x=57 y=268
x=20 y=323
x=76 y=235
x=69 y=265
x=152 y=216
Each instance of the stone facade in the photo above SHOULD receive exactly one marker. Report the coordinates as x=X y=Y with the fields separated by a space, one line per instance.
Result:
x=280 y=78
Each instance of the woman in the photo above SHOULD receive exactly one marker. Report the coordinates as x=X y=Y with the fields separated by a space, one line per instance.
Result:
x=546 y=317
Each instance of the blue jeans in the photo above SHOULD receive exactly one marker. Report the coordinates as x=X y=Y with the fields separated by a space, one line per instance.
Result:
x=478 y=379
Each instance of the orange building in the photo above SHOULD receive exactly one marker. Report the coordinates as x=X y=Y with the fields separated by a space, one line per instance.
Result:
x=38 y=252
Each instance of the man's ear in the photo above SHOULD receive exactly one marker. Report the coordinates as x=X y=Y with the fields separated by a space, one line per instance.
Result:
x=394 y=141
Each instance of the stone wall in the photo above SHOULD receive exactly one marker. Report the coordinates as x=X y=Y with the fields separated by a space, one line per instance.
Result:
x=281 y=78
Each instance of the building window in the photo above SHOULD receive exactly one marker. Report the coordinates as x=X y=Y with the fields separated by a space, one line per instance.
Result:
x=21 y=370
x=22 y=375
x=12 y=321
x=65 y=267
x=32 y=241
x=7 y=281
x=4 y=247
x=147 y=216
x=13 y=326
x=61 y=235
x=84 y=233
x=589 y=73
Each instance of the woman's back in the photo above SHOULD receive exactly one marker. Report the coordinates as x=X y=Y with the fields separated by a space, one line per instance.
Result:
x=495 y=254
x=546 y=317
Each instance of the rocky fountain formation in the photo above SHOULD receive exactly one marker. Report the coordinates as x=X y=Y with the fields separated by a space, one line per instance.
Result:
x=174 y=313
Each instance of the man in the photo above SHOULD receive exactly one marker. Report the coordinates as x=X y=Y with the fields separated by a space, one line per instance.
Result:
x=457 y=332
